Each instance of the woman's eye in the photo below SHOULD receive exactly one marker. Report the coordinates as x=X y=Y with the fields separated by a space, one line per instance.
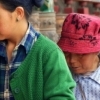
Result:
x=80 y=55
x=67 y=54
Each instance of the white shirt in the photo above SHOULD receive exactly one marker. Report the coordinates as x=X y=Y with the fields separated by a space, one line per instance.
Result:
x=88 y=86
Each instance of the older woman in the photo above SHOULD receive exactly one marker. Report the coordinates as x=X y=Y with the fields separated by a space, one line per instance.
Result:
x=80 y=42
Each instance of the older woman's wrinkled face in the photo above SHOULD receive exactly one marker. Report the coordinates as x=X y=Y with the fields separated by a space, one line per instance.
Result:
x=82 y=63
x=7 y=23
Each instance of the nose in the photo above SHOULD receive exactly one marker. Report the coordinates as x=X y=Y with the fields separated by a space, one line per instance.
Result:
x=72 y=58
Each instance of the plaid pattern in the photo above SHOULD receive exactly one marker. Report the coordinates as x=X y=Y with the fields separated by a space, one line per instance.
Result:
x=18 y=56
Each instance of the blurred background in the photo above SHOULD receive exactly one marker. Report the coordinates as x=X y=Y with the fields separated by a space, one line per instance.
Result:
x=48 y=19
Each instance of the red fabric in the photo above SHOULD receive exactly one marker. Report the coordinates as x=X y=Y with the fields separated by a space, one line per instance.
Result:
x=80 y=33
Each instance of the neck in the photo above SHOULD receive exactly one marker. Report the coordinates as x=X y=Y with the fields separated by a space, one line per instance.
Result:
x=19 y=33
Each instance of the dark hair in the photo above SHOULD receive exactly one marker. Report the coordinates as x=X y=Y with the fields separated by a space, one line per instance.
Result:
x=99 y=56
x=11 y=5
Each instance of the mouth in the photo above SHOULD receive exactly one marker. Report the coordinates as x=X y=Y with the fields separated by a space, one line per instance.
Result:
x=74 y=68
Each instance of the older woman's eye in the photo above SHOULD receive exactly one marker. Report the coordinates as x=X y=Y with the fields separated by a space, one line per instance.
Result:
x=80 y=55
x=67 y=54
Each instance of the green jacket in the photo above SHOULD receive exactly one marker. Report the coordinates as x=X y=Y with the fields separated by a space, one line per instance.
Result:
x=43 y=75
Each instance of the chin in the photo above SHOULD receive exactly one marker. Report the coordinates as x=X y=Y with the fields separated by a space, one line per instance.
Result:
x=78 y=72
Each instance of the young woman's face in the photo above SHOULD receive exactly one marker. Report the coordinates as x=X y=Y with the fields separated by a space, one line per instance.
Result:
x=7 y=23
x=82 y=63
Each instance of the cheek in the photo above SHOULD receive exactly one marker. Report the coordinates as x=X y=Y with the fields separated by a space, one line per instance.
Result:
x=89 y=64
x=86 y=65
x=4 y=28
x=5 y=21
x=5 y=32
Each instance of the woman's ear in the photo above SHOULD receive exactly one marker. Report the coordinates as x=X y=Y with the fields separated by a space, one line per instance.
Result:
x=20 y=13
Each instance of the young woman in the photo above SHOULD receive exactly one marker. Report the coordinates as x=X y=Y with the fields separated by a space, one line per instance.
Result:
x=31 y=66
x=80 y=42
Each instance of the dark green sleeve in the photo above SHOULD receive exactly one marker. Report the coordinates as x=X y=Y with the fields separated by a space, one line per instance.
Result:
x=58 y=81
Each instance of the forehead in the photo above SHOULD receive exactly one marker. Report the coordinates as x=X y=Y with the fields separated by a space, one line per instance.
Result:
x=81 y=53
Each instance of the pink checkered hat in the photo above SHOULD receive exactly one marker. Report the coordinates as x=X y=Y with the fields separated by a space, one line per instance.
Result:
x=80 y=34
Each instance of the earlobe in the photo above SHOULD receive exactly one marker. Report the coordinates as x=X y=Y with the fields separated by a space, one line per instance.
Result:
x=17 y=19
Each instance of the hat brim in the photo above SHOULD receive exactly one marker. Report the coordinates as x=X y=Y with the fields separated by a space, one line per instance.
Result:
x=77 y=47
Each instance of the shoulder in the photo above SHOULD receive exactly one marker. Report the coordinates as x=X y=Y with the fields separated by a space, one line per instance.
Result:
x=44 y=42
x=46 y=48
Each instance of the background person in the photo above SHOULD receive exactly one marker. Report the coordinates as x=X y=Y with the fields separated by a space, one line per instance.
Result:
x=80 y=42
